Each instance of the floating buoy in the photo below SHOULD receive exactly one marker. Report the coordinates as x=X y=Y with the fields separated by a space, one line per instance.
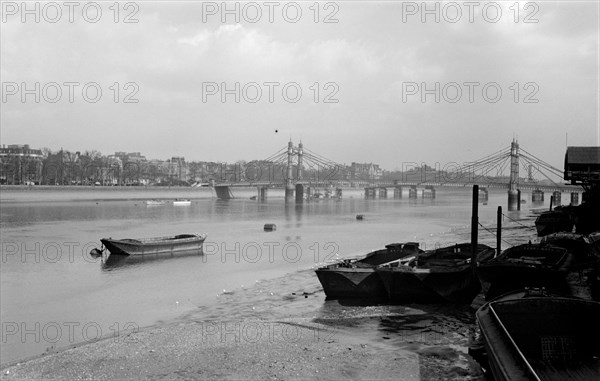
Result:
x=96 y=252
x=270 y=227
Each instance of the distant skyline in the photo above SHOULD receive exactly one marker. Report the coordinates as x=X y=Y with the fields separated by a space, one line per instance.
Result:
x=379 y=85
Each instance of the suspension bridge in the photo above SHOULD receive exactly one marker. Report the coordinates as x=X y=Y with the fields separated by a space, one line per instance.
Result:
x=302 y=172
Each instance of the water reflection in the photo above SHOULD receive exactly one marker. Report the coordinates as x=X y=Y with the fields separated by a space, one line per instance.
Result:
x=111 y=262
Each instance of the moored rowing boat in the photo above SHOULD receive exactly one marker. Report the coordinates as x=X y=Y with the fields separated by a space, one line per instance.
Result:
x=357 y=278
x=157 y=245
x=538 y=337
x=528 y=265
x=436 y=276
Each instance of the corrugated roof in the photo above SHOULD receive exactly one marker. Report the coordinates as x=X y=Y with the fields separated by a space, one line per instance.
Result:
x=583 y=155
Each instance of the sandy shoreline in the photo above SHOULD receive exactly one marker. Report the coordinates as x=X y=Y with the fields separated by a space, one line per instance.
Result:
x=258 y=350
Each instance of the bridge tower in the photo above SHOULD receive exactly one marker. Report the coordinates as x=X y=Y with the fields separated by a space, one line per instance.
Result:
x=300 y=153
x=299 y=187
x=289 y=182
x=514 y=197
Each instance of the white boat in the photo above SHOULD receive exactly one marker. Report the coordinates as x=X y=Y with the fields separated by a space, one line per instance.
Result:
x=155 y=202
x=182 y=202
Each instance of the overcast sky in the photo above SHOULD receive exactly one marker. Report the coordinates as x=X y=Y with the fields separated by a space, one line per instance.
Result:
x=372 y=61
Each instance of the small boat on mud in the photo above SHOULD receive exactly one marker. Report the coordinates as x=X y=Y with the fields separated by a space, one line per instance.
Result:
x=532 y=336
x=538 y=211
x=585 y=248
x=356 y=278
x=557 y=220
x=182 y=243
x=528 y=265
x=435 y=276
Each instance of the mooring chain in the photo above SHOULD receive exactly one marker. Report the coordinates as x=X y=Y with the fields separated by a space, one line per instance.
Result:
x=494 y=234
x=525 y=226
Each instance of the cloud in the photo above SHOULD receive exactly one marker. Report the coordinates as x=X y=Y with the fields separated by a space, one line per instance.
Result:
x=368 y=54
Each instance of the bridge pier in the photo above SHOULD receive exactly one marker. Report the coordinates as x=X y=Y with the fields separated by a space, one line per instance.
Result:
x=369 y=193
x=397 y=192
x=223 y=192
x=412 y=192
x=382 y=192
x=574 y=199
x=483 y=194
x=537 y=196
x=299 y=193
x=289 y=193
x=513 y=196
x=262 y=193
x=338 y=193
x=429 y=192
x=557 y=198
x=308 y=192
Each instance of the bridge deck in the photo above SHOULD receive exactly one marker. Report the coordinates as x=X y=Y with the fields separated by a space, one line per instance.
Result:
x=361 y=184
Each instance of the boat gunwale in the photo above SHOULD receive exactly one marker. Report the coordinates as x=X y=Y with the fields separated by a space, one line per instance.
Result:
x=487 y=314
x=157 y=240
x=512 y=341
x=545 y=261
x=449 y=264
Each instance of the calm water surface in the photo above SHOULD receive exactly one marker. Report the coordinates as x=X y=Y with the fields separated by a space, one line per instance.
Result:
x=53 y=293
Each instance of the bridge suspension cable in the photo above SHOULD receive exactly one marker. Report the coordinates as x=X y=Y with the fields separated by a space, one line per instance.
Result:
x=319 y=158
x=539 y=164
x=486 y=163
x=532 y=158
x=278 y=153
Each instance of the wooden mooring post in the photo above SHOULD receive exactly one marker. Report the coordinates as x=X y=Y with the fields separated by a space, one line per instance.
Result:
x=474 y=225
x=499 y=231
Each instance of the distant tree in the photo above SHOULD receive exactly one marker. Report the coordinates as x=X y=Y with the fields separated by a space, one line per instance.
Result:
x=46 y=151
x=195 y=171
x=93 y=154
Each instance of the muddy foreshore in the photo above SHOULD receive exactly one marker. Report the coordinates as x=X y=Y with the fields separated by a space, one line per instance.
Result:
x=190 y=350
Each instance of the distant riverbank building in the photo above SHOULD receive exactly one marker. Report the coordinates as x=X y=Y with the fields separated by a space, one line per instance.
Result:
x=365 y=171
x=20 y=164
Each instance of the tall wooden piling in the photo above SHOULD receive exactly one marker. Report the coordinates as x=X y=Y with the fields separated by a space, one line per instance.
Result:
x=474 y=225
x=499 y=231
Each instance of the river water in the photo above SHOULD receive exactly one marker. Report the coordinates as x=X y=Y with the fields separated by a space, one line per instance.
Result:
x=54 y=294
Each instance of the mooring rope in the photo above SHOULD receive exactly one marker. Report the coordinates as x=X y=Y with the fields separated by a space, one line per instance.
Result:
x=494 y=234
x=525 y=226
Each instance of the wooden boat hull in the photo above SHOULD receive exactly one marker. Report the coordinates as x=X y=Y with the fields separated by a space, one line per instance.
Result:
x=551 y=338
x=435 y=282
x=506 y=273
x=358 y=279
x=585 y=249
x=184 y=243
x=498 y=280
x=553 y=222
x=351 y=283
x=407 y=287
x=421 y=286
